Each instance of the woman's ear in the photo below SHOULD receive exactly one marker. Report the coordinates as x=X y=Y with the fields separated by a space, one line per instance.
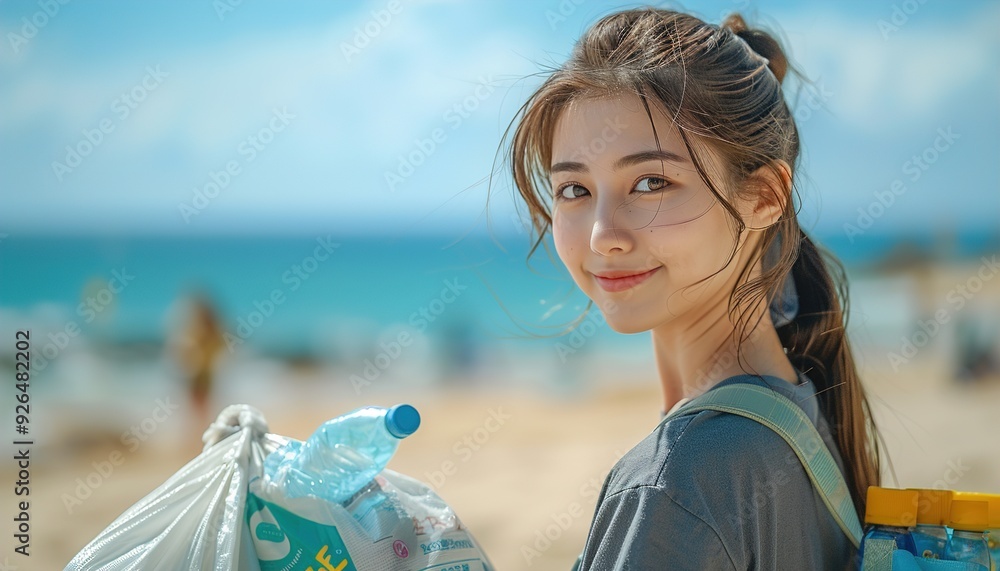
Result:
x=771 y=187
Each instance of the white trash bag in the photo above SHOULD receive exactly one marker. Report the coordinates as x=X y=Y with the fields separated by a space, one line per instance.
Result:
x=219 y=512
x=193 y=520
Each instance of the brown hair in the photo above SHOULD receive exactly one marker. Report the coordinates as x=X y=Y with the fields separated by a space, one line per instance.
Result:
x=722 y=87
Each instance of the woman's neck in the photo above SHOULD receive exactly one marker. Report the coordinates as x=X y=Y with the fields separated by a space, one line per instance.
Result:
x=695 y=354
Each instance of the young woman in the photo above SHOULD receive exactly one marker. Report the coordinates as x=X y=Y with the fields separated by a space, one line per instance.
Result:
x=662 y=157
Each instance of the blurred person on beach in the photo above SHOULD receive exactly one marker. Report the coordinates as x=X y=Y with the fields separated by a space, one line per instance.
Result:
x=977 y=341
x=662 y=157
x=196 y=345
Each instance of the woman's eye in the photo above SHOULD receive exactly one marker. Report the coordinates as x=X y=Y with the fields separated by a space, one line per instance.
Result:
x=651 y=183
x=572 y=191
x=568 y=191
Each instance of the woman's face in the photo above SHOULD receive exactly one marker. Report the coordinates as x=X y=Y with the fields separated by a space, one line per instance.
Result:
x=622 y=207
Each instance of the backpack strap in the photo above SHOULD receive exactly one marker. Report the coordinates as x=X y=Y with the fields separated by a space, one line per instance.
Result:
x=783 y=416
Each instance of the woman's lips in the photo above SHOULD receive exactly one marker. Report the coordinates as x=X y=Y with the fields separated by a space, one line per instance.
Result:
x=624 y=283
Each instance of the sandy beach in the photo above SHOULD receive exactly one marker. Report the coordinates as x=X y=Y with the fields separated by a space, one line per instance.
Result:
x=526 y=489
x=544 y=464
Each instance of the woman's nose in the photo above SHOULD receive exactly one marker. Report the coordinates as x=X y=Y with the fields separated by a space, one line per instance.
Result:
x=611 y=233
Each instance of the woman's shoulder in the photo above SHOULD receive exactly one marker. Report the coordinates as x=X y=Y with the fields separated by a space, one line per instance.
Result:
x=701 y=449
x=729 y=477
x=708 y=446
x=734 y=479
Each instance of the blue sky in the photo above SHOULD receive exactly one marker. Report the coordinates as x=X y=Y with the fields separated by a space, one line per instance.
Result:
x=437 y=81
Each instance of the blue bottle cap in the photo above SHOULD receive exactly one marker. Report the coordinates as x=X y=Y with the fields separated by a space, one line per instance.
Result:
x=402 y=420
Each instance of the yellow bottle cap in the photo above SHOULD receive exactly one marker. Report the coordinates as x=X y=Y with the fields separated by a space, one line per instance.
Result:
x=932 y=506
x=992 y=499
x=968 y=514
x=887 y=506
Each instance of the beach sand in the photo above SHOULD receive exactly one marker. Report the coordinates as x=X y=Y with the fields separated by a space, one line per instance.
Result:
x=528 y=490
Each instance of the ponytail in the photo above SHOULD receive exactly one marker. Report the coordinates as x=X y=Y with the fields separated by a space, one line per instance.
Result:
x=818 y=346
x=816 y=337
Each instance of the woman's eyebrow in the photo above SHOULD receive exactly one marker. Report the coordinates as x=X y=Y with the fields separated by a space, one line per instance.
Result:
x=626 y=161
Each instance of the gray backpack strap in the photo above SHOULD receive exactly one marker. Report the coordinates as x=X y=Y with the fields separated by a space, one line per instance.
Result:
x=789 y=421
x=783 y=416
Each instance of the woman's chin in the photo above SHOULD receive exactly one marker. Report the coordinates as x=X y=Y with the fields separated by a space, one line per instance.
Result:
x=629 y=326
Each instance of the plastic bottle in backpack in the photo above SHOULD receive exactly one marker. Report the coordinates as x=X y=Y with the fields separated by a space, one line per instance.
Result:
x=890 y=515
x=993 y=532
x=343 y=455
x=930 y=536
x=968 y=519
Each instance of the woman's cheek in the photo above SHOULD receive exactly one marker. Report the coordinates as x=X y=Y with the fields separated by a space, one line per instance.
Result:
x=564 y=230
x=563 y=246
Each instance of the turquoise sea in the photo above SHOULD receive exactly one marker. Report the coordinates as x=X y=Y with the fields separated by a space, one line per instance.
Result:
x=301 y=295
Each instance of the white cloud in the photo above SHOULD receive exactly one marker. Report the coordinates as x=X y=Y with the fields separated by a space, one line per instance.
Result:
x=213 y=99
x=879 y=83
x=352 y=118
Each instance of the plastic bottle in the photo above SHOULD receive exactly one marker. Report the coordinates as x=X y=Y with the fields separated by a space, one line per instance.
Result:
x=993 y=533
x=968 y=519
x=343 y=455
x=890 y=514
x=930 y=537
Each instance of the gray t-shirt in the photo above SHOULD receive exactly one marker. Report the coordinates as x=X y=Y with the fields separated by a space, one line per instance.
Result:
x=718 y=491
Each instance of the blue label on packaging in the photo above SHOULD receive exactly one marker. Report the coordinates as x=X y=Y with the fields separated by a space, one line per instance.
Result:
x=285 y=541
